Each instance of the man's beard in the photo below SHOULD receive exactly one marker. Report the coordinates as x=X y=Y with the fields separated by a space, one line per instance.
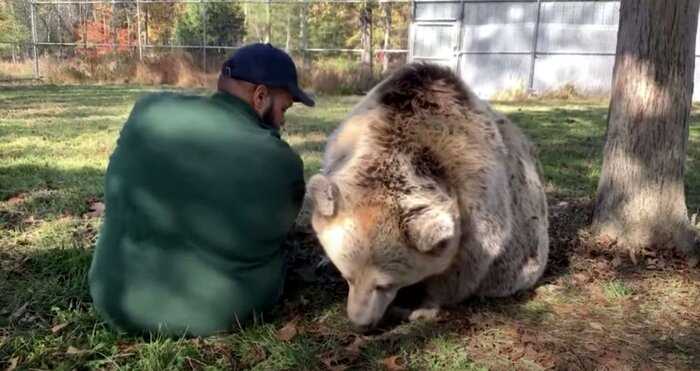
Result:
x=268 y=116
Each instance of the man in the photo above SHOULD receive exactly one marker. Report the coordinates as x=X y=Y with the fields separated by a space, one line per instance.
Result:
x=200 y=193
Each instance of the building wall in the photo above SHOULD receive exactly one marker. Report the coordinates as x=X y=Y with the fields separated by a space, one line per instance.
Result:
x=490 y=42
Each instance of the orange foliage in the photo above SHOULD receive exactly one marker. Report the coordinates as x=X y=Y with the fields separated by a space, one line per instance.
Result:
x=100 y=32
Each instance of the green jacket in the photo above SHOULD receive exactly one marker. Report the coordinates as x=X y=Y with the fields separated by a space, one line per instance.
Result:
x=199 y=195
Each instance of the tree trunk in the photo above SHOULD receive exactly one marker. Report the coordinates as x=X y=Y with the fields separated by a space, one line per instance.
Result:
x=366 y=42
x=387 y=34
x=641 y=197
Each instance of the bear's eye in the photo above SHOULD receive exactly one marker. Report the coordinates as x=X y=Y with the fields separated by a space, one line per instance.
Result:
x=439 y=248
x=384 y=287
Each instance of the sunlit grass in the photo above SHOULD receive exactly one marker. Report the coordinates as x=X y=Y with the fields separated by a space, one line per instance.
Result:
x=55 y=143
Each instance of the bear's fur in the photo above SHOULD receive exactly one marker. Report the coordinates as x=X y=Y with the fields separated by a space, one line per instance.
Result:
x=424 y=183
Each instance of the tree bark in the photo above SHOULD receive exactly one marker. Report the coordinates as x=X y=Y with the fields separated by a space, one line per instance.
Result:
x=641 y=197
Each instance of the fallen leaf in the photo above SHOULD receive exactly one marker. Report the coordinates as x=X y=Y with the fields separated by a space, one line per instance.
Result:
x=394 y=363
x=580 y=278
x=591 y=347
x=13 y=364
x=288 y=332
x=126 y=348
x=596 y=326
x=356 y=345
x=528 y=337
x=255 y=355
x=59 y=327
x=333 y=362
x=321 y=329
x=96 y=210
x=517 y=355
x=75 y=351
x=16 y=199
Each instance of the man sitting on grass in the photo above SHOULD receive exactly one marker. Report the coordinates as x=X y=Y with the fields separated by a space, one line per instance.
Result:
x=200 y=193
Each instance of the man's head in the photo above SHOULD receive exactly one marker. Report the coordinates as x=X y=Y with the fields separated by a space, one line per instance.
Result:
x=265 y=77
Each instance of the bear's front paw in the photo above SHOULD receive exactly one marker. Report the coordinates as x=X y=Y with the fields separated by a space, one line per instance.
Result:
x=427 y=314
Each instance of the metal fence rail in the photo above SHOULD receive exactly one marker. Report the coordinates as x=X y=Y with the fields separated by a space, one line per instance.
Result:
x=141 y=43
x=497 y=45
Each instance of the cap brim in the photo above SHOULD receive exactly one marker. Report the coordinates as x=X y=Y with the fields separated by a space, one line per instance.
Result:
x=300 y=96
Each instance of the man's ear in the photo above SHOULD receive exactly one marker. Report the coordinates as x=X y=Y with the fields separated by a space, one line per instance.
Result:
x=324 y=195
x=261 y=94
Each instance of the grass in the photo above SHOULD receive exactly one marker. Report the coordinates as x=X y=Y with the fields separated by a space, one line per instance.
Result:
x=616 y=289
x=593 y=309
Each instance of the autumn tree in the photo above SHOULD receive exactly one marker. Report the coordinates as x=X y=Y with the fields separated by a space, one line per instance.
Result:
x=224 y=24
x=641 y=198
x=12 y=31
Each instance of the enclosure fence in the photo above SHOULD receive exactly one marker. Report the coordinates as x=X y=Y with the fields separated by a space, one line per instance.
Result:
x=531 y=45
x=493 y=45
x=285 y=23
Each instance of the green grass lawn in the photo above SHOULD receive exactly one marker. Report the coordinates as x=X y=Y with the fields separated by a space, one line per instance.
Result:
x=594 y=309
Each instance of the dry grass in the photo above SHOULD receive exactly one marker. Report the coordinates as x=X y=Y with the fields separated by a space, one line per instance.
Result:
x=327 y=76
x=14 y=70
x=175 y=69
x=566 y=92
x=518 y=93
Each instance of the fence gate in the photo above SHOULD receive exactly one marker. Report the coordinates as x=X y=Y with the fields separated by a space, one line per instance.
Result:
x=496 y=45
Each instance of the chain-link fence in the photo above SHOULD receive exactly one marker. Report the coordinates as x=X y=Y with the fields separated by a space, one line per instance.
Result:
x=185 y=41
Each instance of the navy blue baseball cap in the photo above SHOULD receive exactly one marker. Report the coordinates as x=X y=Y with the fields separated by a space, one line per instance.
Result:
x=266 y=65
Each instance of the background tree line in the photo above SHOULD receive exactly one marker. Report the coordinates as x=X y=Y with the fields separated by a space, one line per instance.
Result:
x=293 y=26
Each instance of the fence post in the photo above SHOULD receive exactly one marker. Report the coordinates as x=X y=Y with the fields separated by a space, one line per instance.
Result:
x=32 y=10
x=366 y=57
x=411 y=32
x=304 y=40
x=138 y=28
x=83 y=15
x=268 y=27
x=387 y=35
x=533 y=55
x=203 y=9
x=460 y=34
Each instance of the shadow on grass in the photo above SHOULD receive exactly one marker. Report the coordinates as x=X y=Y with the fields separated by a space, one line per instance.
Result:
x=46 y=191
x=23 y=96
x=534 y=328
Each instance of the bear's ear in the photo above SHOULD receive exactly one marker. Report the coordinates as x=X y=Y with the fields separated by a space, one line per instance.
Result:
x=324 y=195
x=431 y=229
